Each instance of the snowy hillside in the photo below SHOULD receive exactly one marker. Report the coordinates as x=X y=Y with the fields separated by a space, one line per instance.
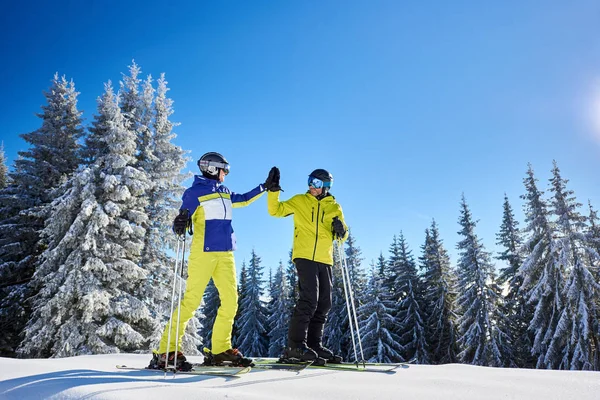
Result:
x=95 y=377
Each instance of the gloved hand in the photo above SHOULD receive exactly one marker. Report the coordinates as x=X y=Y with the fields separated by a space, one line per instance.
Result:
x=181 y=222
x=272 y=182
x=337 y=227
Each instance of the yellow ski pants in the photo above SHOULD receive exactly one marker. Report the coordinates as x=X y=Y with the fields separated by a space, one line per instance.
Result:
x=201 y=267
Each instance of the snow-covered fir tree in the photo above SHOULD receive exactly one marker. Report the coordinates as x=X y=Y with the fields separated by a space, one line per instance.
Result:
x=378 y=323
x=479 y=336
x=354 y=264
x=131 y=104
x=572 y=343
x=593 y=239
x=209 y=307
x=3 y=168
x=409 y=314
x=95 y=148
x=392 y=269
x=52 y=157
x=145 y=134
x=542 y=274
x=252 y=321
x=279 y=313
x=593 y=234
x=89 y=280
x=440 y=297
x=516 y=352
x=381 y=267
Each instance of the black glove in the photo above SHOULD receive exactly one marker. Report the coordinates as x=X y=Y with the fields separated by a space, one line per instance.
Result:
x=272 y=182
x=181 y=222
x=337 y=227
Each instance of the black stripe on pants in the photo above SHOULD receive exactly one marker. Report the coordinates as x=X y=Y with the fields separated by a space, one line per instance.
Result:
x=314 y=303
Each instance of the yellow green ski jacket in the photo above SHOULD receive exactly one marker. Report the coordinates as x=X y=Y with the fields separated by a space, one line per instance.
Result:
x=313 y=238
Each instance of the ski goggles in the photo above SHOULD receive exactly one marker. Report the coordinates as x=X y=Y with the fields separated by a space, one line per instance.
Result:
x=214 y=164
x=317 y=183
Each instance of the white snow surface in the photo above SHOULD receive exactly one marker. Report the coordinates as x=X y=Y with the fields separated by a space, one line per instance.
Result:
x=95 y=377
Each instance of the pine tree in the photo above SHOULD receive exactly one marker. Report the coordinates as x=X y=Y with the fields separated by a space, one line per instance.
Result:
x=513 y=309
x=130 y=104
x=209 y=308
x=393 y=269
x=382 y=267
x=440 y=298
x=35 y=181
x=477 y=298
x=593 y=234
x=571 y=343
x=89 y=279
x=146 y=115
x=252 y=323
x=3 y=168
x=378 y=324
x=353 y=262
x=95 y=147
x=542 y=274
x=593 y=240
x=279 y=313
x=409 y=314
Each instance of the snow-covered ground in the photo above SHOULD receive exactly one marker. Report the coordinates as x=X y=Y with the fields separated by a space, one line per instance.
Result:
x=95 y=377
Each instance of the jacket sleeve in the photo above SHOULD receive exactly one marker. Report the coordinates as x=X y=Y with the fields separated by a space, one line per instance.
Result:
x=189 y=201
x=280 y=208
x=242 y=200
x=340 y=215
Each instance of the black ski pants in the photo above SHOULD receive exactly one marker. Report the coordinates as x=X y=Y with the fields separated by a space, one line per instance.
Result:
x=313 y=305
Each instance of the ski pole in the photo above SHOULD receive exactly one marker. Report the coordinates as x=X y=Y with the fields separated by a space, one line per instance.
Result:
x=351 y=292
x=175 y=270
x=350 y=323
x=179 y=302
x=362 y=356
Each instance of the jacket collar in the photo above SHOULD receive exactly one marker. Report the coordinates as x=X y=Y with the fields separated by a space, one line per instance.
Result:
x=199 y=180
x=328 y=197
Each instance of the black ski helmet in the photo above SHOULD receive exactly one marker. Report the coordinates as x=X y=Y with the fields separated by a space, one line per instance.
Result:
x=210 y=164
x=323 y=175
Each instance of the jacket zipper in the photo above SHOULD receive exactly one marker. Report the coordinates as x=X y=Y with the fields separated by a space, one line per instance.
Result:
x=224 y=207
x=316 y=231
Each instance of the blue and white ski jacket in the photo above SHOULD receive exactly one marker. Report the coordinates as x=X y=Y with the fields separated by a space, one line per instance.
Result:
x=211 y=204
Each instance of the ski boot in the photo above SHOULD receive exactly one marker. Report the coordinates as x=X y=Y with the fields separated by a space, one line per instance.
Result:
x=302 y=354
x=232 y=357
x=324 y=352
x=159 y=361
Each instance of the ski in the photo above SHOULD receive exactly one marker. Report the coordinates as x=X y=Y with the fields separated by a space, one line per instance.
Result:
x=388 y=368
x=295 y=367
x=380 y=368
x=266 y=365
x=198 y=370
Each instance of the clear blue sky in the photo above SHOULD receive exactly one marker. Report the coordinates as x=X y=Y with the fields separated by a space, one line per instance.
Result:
x=407 y=105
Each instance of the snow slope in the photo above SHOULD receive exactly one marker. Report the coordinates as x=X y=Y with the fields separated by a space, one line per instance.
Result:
x=95 y=377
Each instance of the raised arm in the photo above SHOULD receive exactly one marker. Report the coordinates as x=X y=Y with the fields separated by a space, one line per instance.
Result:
x=242 y=200
x=280 y=208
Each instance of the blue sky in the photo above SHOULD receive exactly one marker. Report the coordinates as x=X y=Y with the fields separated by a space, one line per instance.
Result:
x=407 y=104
